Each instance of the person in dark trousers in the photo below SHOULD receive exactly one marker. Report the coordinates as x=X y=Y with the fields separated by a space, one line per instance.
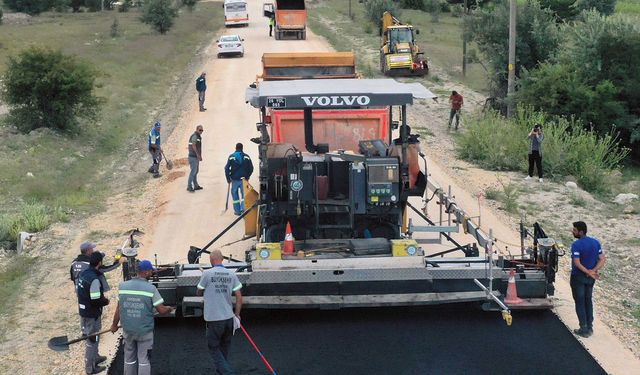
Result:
x=201 y=87
x=239 y=167
x=155 y=149
x=587 y=260
x=217 y=284
x=195 y=157
x=272 y=23
x=137 y=301
x=456 y=101
x=535 y=151
x=91 y=300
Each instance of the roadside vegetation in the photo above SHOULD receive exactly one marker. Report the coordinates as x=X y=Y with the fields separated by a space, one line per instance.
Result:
x=497 y=143
x=67 y=172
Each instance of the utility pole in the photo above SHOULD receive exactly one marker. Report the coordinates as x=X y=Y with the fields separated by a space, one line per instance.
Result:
x=464 y=40
x=511 y=80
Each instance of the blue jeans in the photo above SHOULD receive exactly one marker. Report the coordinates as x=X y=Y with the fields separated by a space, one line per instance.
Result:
x=194 y=163
x=582 y=290
x=219 y=334
x=237 y=193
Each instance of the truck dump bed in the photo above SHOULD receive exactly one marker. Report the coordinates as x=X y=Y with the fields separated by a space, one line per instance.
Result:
x=308 y=65
x=291 y=15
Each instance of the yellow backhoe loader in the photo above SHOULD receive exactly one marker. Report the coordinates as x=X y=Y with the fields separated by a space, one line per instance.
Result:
x=399 y=54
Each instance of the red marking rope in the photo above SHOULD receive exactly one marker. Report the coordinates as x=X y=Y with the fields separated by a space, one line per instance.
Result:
x=258 y=350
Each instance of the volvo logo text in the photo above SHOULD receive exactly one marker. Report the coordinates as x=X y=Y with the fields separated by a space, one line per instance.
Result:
x=336 y=101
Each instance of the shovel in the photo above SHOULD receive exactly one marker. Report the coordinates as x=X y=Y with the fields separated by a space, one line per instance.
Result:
x=61 y=343
x=169 y=162
x=226 y=203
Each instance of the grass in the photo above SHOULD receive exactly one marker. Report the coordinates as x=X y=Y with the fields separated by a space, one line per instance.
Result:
x=442 y=41
x=628 y=7
x=11 y=280
x=507 y=194
x=67 y=173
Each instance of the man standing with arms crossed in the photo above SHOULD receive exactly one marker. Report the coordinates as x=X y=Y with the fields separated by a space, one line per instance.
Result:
x=216 y=284
x=239 y=167
x=195 y=157
x=91 y=300
x=587 y=260
x=201 y=87
x=137 y=299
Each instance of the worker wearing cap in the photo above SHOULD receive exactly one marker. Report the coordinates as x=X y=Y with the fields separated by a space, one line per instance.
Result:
x=155 y=149
x=91 y=300
x=217 y=284
x=81 y=263
x=137 y=300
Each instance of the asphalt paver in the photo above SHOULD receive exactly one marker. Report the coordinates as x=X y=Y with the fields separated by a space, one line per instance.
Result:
x=425 y=340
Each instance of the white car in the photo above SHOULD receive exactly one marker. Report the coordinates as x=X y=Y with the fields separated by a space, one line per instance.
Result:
x=230 y=45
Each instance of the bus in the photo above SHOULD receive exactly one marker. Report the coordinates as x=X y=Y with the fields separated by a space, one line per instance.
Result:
x=235 y=13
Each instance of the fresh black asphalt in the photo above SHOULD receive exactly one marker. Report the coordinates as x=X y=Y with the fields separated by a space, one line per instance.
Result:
x=426 y=340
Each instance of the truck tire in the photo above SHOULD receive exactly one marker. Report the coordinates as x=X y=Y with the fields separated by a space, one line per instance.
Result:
x=304 y=34
x=277 y=35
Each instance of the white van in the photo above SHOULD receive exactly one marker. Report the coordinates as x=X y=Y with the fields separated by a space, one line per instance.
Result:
x=235 y=12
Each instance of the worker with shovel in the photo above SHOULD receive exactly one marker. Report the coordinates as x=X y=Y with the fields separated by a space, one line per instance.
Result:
x=239 y=167
x=91 y=300
x=155 y=149
x=137 y=300
x=195 y=157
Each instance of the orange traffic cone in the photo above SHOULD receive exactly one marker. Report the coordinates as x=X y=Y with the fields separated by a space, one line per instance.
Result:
x=512 y=292
x=289 y=246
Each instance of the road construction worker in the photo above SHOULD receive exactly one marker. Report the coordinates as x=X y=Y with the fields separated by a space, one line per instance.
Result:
x=81 y=263
x=137 y=300
x=217 y=284
x=587 y=259
x=195 y=157
x=91 y=300
x=201 y=88
x=456 y=101
x=155 y=149
x=272 y=24
x=239 y=167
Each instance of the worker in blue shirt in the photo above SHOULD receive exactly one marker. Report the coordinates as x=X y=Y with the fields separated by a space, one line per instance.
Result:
x=239 y=167
x=587 y=259
x=155 y=149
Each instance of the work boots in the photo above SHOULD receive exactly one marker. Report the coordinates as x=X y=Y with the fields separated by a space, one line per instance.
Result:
x=583 y=332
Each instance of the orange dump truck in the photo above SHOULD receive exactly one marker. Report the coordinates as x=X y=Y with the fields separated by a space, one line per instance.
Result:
x=291 y=19
x=341 y=129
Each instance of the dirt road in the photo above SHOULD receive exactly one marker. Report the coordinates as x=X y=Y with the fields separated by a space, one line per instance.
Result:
x=194 y=218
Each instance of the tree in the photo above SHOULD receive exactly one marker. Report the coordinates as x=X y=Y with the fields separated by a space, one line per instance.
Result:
x=374 y=9
x=46 y=88
x=537 y=39
x=564 y=10
x=606 y=7
x=190 y=4
x=32 y=7
x=159 y=14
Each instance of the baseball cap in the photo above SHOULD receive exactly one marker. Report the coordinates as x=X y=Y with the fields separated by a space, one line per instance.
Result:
x=145 y=265
x=157 y=124
x=96 y=257
x=86 y=246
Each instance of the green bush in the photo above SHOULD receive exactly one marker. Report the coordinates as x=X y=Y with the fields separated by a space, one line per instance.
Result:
x=159 y=14
x=434 y=7
x=115 y=28
x=93 y=5
x=413 y=4
x=32 y=217
x=374 y=9
x=1 y=14
x=32 y=7
x=190 y=4
x=46 y=88
x=568 y=149
x=606 y=7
